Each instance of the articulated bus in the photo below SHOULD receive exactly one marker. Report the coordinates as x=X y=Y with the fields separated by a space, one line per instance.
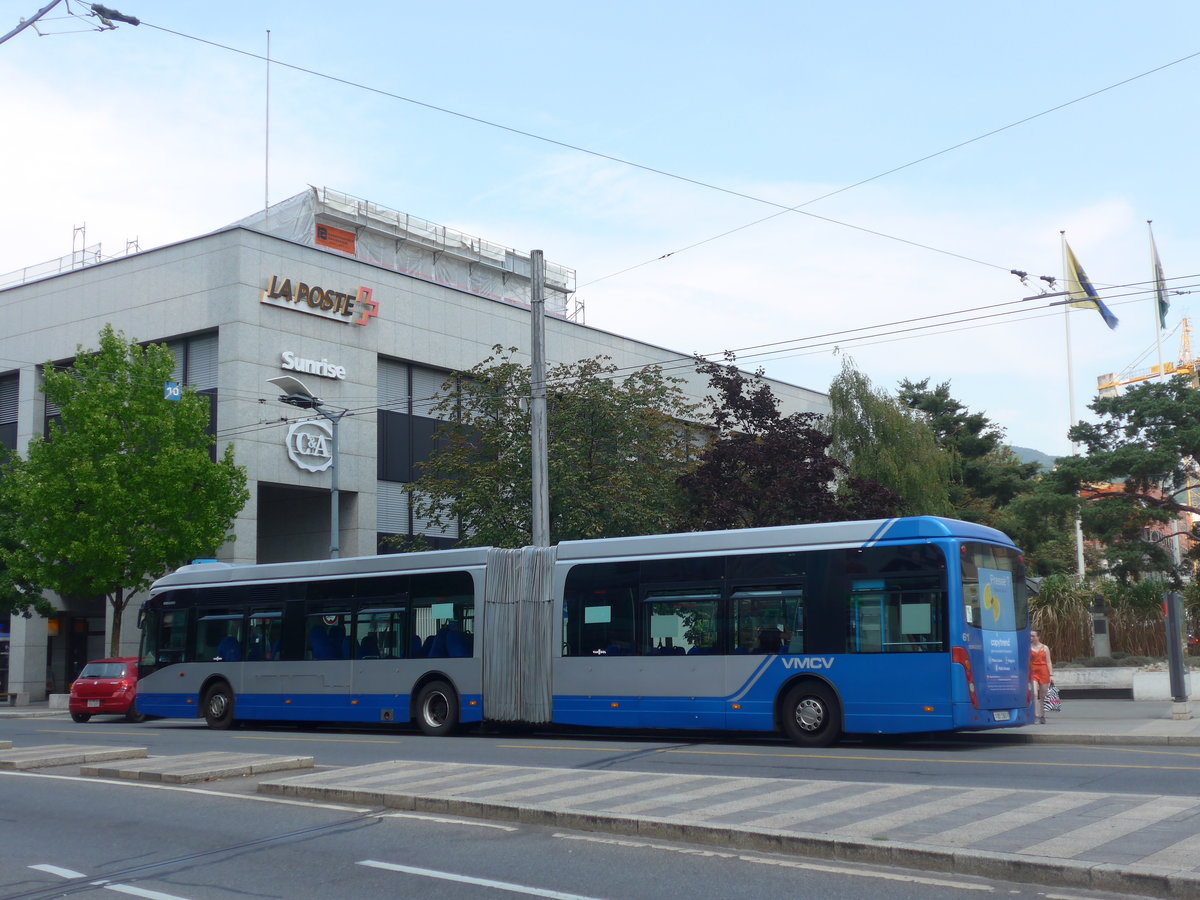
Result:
x=880 y=627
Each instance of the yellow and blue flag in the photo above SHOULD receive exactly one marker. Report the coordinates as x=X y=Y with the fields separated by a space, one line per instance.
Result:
x=1080 y=290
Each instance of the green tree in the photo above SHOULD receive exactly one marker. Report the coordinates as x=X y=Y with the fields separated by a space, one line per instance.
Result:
x=123 y=488
x=1041 y=522
x=880 y=439
x=617 y=445
x=763 y=468
x=1136 y=474
x=985 y=474
x=18 y=595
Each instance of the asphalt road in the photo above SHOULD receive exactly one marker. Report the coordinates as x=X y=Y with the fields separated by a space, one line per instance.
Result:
x=962 y=761
x=68 y=836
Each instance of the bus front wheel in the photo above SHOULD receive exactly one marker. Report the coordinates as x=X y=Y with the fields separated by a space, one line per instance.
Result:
x=810 y=716
x=437 y=709
x=218 y=706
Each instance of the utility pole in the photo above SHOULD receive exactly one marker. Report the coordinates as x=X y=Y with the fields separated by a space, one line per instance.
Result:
x=540 y=526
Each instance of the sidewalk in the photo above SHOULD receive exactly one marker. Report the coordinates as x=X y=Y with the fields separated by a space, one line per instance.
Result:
x=1106 y=722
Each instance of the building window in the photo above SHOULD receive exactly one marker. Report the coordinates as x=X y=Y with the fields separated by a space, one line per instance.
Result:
x=9 y=386
x=195 y=366
x=407 y=395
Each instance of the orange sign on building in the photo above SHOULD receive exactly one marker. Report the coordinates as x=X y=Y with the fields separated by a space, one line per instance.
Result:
x=328 y=236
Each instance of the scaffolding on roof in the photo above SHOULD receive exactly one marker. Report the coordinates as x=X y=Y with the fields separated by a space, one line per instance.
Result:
x=416 y=247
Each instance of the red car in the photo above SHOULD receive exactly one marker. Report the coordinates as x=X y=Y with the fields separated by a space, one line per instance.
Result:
x=106 y=687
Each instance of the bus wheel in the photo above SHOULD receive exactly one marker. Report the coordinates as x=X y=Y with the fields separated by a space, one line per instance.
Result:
x=218 y=706
x=437 y=709
x=810 y=716
x=80 y=717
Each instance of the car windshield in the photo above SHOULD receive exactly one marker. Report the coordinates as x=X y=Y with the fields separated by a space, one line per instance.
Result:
x=103 y=670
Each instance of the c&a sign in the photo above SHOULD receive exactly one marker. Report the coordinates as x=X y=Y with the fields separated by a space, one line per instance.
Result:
x=358 y=308
x=310 y=445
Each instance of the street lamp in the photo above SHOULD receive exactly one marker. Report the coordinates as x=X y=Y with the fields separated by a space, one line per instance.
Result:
x=296 y=394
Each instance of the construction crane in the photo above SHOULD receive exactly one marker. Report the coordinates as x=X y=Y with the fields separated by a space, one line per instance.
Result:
x=1110 y=385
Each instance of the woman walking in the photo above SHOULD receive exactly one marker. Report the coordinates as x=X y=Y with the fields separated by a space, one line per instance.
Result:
x=1041 y=673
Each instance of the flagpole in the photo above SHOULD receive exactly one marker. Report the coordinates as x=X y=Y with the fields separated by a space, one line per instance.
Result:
x=1158 y=323
x=1071 y=405
x=1159 y=314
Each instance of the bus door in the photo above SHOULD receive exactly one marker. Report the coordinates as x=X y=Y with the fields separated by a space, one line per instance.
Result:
x=768 y=621
x=682 y=657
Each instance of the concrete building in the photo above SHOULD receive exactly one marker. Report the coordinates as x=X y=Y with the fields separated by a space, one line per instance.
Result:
x=369 y=307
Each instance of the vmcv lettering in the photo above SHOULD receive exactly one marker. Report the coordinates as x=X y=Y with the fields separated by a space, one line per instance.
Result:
x=808 y=662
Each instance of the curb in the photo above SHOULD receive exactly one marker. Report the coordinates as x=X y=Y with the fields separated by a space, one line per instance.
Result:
x=1175 y=740
x=1131 y=880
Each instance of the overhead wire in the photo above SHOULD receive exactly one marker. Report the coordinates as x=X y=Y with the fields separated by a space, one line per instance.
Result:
x=930 y=325
x=782 y=207
x=850 y=339
x=893 y=170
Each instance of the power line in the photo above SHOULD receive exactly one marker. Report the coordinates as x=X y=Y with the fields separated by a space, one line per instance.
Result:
x=782 y=207
x=892 y=171
x=918 y=327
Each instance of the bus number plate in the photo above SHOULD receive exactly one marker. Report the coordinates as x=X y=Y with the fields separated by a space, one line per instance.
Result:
x=1001 y=715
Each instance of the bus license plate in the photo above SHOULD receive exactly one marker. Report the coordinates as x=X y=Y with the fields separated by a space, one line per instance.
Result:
x=1001 y=715
x=92 y=704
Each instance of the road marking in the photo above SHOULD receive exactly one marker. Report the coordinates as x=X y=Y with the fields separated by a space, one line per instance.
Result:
x=1069 y=844
x=783 y=863
x=1187 y=848
x=604 y=748
x=118 y=888
x=315 y=740
x=901 y=760
x=141 y=892
x=857 y=801
x=257 y=798
x=908 y=760
x=481 y=882
x=58 y=870
x=445 y=821
x=918 y=811
x=1024 y=815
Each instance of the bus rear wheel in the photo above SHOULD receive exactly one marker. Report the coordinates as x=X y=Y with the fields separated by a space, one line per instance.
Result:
x=810 y=716
x=218 y=706
x=437 y=709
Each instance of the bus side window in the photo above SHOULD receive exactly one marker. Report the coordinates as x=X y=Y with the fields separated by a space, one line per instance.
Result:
x=768 y=619
x=263 y=642
x=681 y=621
x=442 y=615
x=598 y=603
x=219 y=636
x=326 y=634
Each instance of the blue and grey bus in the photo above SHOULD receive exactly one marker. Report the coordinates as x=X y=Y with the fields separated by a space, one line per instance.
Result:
x=878 y=627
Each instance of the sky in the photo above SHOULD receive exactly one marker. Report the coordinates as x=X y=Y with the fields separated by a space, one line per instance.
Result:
x=654 y=147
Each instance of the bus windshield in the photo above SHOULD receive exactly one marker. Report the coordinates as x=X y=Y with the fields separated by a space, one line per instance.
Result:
x=994 y=593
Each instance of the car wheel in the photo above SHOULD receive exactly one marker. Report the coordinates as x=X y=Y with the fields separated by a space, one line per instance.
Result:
x=81 y=717
x=811 y=716
x=134 y=716
x=218 y=706
x=437 y=709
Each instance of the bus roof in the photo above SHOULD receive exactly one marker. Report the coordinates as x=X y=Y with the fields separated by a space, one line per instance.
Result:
x=397 y=563
x=843 y=534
